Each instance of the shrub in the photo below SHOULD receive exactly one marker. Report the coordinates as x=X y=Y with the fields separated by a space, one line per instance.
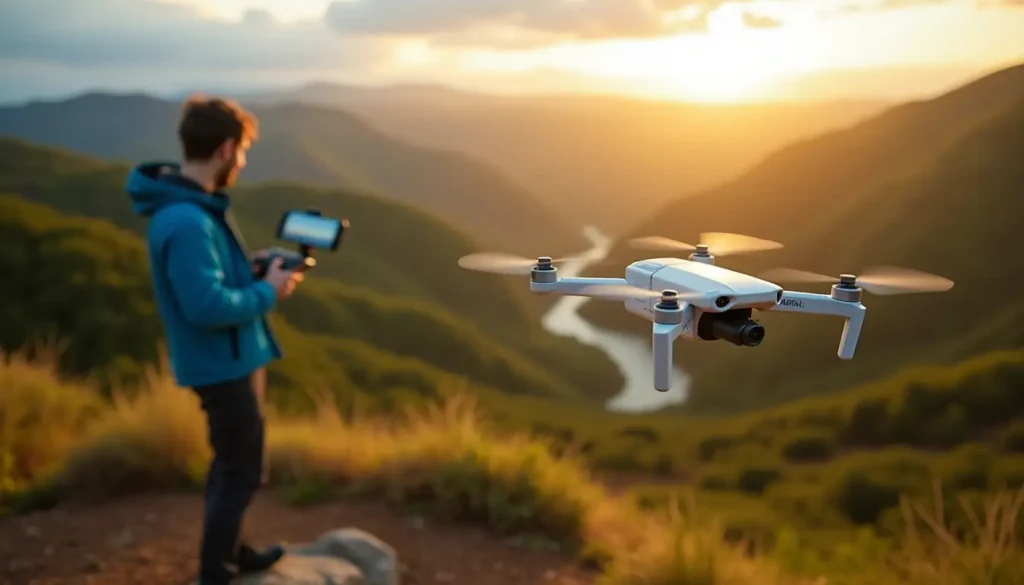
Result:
x=868 y=424
x=41 y=417
x=1013 y=438
x=755 y=480
x=708 y=447
x=809 y=448
x=947 y=430
x=643 y=433
x=862 y=499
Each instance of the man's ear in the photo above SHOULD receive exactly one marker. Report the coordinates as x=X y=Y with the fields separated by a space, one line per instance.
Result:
x=226 y=149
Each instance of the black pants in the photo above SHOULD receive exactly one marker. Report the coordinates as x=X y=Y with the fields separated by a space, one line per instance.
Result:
x=236 y=434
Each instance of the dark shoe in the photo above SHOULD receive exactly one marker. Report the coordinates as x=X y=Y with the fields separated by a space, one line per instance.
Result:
x=252 y=561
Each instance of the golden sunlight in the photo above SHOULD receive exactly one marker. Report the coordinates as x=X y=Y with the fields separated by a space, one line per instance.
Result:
x=729 y=62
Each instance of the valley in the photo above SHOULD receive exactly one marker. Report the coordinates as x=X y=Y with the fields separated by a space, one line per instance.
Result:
x=604 y=160
x=421 y=388
x=930 y=185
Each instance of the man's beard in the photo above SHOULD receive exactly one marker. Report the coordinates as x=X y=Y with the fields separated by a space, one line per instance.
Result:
x=226 y=175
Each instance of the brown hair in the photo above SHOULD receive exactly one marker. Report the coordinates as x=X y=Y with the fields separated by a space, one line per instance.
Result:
x=206 y=123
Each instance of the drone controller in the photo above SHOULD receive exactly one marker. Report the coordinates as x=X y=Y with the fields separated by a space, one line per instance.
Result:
x=309 y=229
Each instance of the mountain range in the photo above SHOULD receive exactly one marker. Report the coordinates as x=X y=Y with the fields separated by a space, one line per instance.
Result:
x=933 y=185
x=603 y=160
x=319 y=146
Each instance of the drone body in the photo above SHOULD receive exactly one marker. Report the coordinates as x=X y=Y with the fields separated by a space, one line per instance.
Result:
x=697 y=300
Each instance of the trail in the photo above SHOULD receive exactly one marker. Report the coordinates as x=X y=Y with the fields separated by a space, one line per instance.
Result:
x=153 y=540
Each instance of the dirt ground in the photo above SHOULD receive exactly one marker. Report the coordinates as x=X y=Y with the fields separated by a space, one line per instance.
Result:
x=153 y=540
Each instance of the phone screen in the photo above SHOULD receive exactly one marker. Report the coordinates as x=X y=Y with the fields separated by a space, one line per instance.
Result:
x=311 y=230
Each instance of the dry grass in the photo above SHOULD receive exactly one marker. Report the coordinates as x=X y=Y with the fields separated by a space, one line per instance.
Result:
x=991 y=553
x=442 y=460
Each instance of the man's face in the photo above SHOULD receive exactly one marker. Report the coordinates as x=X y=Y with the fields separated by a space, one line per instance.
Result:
x=231 y=162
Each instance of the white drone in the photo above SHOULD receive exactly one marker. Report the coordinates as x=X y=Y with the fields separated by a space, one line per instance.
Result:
x=699 y=301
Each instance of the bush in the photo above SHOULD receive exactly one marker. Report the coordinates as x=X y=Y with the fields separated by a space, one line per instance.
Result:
x=709 y=447
x=862 y=499
x=809 y=448
x=646 y=434
x=948 y=430
x=755 y=480
x=1013 y=438
x=868 y=424
x=41 y=417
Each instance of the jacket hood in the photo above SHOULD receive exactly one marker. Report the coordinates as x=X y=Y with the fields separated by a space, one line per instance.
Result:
x=149 y=192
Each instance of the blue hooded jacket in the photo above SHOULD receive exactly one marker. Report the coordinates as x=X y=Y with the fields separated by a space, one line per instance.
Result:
x=213 y=308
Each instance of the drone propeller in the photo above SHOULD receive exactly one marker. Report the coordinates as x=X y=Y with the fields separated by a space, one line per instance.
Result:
x=627 y=291
x=717 y=243
x=879 y=280
x=501 y=263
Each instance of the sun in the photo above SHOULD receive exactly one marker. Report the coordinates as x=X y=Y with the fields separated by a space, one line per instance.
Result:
x=729 y=62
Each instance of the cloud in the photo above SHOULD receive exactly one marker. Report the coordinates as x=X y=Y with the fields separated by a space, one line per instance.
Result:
x=137 y=33
x=751 y=20
x=578 y=19
x=594 y=18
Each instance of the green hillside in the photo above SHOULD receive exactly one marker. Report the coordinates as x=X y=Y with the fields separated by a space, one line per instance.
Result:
x=319 y=146
x=85 y=284
x=933 y=186
x=804 y=478
x=374 y=278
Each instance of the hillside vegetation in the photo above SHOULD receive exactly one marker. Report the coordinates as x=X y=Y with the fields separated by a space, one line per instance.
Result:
x=85 y=284
x=319 y=146
x=350 y=335
x=598 y=159
x=933 y=186
x=818 y=483
x=447 y=461
x=825 y=466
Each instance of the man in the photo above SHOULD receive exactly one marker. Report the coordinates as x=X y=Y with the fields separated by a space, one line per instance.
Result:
x=214 y=315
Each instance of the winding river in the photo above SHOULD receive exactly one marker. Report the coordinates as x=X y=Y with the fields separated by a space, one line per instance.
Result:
x=631 y=353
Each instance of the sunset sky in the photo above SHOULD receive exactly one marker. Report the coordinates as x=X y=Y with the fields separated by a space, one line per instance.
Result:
x=679 y=49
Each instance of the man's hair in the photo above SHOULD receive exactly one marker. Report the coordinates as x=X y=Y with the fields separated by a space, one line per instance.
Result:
x=206 y=123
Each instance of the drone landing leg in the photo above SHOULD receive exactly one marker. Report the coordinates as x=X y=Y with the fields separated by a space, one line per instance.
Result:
x=816 y=304
x=663 y=336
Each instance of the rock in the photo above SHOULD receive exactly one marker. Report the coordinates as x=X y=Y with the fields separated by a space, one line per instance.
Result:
x=377 y=560
x=307 y=570
x=341 y=557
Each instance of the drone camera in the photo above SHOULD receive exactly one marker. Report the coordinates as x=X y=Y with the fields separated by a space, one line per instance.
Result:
x=310 y=229
x=736 y=327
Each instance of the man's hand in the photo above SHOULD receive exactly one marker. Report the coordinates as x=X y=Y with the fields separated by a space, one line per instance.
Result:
x=258 y=255
x=283 y=281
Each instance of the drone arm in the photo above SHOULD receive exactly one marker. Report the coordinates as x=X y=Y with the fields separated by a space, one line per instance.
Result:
x=664 y=335
x=573 y=285
x=817 y=304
